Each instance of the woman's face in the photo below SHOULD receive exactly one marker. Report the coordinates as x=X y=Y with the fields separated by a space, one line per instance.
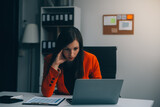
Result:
x=70 y=51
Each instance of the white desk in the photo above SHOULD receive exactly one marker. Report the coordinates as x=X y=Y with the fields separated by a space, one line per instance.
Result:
x=123 y=102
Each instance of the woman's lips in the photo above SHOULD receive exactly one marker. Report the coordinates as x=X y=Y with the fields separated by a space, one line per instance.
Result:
x=71 y=58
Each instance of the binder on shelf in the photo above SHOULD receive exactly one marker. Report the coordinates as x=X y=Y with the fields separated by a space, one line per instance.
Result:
x=61 y=19
x=44 y=46
x=47 y=47
x=57 y=19
x=71 y=19
x=44 y=19
x=52 y=19
x=48 y=19
x=66 y=18
x=53 y=44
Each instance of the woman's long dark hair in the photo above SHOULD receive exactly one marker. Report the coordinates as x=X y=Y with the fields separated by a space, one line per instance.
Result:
x=67 y=36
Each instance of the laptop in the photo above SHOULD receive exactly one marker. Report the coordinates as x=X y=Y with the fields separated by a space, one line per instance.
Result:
x=96 y=91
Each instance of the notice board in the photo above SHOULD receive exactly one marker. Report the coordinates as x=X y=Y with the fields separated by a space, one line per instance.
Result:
x=118 y=24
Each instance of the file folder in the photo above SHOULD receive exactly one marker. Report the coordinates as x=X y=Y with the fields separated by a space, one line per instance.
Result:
x=47 y=47
x=57 y=19
x=71 y=17
x=44 y=19
x=48 y=19
x=52 y=19
x=61 y=19
x=44 y=46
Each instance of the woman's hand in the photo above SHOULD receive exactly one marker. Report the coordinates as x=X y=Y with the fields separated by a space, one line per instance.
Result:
x=59 y=60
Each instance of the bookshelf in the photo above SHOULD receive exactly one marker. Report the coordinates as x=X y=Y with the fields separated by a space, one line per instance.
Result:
x=51 y=21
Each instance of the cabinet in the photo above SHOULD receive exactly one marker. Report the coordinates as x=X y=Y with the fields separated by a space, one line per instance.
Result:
x=53 y=19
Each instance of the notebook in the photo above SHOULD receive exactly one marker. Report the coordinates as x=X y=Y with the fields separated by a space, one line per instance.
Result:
x=96 y=91
x=43 y=101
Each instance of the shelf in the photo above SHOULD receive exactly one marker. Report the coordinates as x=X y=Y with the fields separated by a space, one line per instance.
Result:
x=51 y=22
x=57 y=26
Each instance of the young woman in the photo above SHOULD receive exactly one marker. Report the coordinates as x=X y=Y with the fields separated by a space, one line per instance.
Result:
x=67 y=63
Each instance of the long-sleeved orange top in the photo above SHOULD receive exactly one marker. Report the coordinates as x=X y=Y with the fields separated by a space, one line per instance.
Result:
x=91 y=69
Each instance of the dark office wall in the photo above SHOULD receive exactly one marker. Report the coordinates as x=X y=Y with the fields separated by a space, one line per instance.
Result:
x=8 y=45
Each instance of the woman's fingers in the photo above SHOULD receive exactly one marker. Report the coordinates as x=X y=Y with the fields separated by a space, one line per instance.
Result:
x=61 y=57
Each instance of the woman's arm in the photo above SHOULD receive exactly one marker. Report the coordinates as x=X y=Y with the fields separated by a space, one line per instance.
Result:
x=96 y=72
x=49 y=78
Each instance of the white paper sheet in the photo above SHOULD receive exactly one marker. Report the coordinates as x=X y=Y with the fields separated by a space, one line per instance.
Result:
x=110 y=20
x=125 y=25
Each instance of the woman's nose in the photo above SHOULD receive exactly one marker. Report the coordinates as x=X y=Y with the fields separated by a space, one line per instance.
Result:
x=72 y=53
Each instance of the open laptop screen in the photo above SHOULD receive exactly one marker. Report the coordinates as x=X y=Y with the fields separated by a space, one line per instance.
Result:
x=97 y=91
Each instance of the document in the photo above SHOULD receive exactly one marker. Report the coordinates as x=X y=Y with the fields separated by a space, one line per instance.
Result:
x=110 y=20
x=125 y=25
x=44 y=101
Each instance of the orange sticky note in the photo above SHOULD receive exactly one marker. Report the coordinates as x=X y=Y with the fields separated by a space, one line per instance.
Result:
x=129 y=16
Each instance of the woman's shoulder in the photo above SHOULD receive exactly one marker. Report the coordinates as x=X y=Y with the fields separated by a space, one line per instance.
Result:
x=89 y=58
x=88 y=55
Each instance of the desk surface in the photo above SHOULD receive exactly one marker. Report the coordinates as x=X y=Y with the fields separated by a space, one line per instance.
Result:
x=123 y=102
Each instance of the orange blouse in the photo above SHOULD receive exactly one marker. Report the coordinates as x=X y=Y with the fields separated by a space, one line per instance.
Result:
x=91 y=70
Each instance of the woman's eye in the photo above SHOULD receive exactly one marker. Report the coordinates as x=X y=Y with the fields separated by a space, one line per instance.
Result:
x=75 y=48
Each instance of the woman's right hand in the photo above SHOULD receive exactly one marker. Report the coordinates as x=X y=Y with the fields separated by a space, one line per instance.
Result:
x=59 y=60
